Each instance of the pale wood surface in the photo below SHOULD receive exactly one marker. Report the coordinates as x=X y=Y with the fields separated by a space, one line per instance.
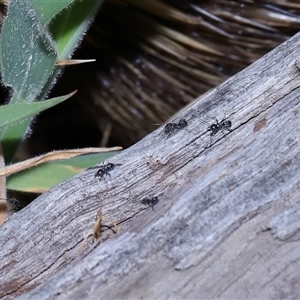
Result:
x=227 y=225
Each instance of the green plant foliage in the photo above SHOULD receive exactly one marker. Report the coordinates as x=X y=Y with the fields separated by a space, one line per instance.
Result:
x=28 y=56
x=48 y=9
x=15 y=119
x=13 y=113
x=41 y=178
x=27 y=52
x=68 y=27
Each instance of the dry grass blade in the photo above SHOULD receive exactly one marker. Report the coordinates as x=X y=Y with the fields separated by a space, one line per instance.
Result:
x=171 y=51
x=164 y=11
x=51 y=156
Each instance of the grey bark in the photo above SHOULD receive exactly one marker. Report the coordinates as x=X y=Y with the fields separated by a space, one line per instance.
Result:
x=227 y=225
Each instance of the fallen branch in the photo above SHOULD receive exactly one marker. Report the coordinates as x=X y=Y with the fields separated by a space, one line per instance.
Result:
x=223 y=228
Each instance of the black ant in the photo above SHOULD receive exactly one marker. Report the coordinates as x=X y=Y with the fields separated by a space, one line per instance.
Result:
x=151 y=201
x=104 y=170
x=219 y=126
x=16 y=203
x=171 y=127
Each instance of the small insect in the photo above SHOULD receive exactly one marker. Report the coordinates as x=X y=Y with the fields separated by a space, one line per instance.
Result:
x=104 y=170
x=151 y=201
x=96 y=232
x=97 y=225
x=15 y=203
x=171 y=127
x=219 y=126
x=181 y=124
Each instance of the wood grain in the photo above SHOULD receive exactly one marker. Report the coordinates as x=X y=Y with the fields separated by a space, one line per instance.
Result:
x=227 y=225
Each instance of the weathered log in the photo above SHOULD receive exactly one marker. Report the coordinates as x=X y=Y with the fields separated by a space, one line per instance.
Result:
x=227 y=225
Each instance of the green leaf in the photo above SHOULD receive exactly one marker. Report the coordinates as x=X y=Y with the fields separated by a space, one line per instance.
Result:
x=13 y=137
x=12 y=113
x=27 y=52
x=67 y=30
x=43 y=177
x=47 y=9
x=15 y=119
x=68 y=27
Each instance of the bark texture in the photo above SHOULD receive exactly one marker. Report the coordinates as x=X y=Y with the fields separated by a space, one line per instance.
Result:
x=227 y=225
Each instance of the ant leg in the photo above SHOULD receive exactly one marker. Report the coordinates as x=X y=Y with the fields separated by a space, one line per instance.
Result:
x=223 y=119
x=96 y=232
x=208 y=127
x=115 y=226
x=189 y=131
x=93 y=167
x=151 y=204
x=207 y=123
x=222 y=130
